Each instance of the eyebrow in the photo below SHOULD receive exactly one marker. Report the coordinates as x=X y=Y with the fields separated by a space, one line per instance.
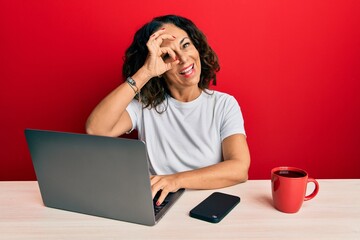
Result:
x=182 y=40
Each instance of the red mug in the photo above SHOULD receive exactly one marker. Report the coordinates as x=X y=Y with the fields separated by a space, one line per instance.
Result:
x=288 y=185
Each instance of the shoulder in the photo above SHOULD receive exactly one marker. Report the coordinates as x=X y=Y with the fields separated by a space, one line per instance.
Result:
x=217 y=94
x=218 y=97
x=134 y=105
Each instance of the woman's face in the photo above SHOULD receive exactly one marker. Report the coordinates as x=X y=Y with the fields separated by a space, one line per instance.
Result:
x=187 y=72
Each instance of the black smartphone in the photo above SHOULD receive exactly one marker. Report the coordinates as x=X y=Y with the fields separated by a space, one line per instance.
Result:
x=215 y=207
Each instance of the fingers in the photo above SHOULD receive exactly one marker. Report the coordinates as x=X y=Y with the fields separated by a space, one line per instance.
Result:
x=159 y=183
x=155 y=41
x=172 y=64
x=160 y=59
x=154 y=46
x=155 y=186
x=157 y=33
x=171 y=60
x=162 y=197
x=167 y=50
x=159 y=36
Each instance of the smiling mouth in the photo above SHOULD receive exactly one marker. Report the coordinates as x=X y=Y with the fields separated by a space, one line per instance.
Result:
x=187 y=70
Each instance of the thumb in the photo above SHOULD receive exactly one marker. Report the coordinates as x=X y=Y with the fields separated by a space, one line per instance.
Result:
x=172 y=64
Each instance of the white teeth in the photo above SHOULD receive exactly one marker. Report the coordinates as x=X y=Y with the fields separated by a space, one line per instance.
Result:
x=187 y=70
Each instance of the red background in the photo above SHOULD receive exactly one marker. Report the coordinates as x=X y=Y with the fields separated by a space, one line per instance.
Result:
x=294 y=67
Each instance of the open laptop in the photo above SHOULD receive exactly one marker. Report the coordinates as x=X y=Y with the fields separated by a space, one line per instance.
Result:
x=95 y=175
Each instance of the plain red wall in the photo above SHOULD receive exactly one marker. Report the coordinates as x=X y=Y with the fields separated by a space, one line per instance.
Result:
x=294 y=67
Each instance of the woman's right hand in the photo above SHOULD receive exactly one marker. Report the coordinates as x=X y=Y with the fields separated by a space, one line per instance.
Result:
x=155 y=64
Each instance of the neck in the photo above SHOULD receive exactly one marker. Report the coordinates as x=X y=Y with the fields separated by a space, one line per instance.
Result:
x=186 y=95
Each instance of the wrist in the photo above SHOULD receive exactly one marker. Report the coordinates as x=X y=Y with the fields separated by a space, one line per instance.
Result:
x=179 y=180
x=141 y=77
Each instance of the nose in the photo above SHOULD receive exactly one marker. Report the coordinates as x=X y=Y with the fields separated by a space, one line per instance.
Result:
x=182 y=57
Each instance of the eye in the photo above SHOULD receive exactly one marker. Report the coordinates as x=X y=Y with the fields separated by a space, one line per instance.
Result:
x=185 y=45
x=166 y=56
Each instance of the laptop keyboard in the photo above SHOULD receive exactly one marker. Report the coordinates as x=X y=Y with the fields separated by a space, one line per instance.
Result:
x=157 y=209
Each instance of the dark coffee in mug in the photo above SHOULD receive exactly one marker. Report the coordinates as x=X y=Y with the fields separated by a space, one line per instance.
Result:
x=290 y=173
x=288 y=186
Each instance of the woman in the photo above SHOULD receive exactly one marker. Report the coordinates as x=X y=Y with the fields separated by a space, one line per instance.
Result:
x=195 y=137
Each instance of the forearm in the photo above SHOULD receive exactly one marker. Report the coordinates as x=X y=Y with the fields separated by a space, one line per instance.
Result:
x=108 y=113
x=232 y=170
x=103 y=118
x=220 y=175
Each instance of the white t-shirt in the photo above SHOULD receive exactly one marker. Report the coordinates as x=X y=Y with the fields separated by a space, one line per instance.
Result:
x=187 y=135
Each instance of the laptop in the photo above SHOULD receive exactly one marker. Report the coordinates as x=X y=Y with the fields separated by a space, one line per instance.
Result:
x=95 y=175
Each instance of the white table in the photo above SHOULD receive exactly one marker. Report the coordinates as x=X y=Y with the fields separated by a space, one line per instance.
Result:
x=333 y=214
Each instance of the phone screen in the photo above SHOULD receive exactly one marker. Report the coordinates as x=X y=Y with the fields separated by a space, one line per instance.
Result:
x=215 y=207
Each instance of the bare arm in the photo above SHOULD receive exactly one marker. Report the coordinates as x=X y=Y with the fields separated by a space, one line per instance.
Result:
x=231 y=171
x=110 y=118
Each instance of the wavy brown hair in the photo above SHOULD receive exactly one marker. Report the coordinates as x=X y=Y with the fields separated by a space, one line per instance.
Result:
x=154 y=93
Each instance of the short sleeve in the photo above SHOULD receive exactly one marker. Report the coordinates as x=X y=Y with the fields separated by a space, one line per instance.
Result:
x=232 y=122
x=134 y=111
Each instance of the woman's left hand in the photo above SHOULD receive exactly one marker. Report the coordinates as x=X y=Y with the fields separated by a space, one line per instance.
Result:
x=165 y=183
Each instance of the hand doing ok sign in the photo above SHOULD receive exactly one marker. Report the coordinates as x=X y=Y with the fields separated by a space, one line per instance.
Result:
x=154 y=63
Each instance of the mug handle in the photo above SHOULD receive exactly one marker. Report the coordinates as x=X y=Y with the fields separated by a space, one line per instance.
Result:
x=316 y=190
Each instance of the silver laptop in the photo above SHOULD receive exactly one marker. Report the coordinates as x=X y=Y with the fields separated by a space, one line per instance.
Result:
x=102 y=176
